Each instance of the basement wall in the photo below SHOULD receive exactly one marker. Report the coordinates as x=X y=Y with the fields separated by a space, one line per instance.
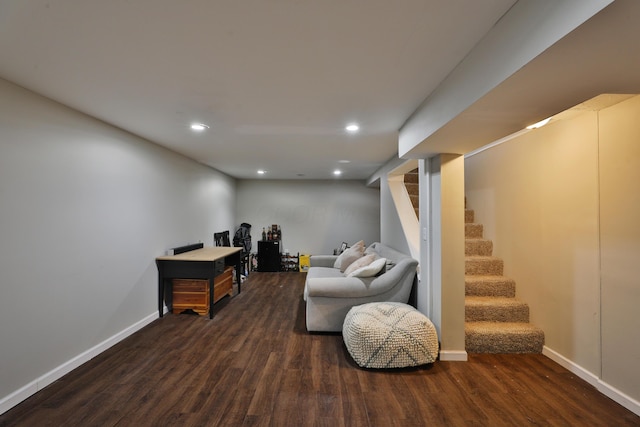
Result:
x=316 y=216
x=561 y=204
x=84 y=210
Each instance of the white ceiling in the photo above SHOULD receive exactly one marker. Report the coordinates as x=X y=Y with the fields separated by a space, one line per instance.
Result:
x=276 y=80
x=599 y=56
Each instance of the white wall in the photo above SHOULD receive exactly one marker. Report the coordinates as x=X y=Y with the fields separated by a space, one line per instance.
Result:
x=620 y=245
x=557 y=202
x=316 y=216
x=84 y=210
x=391 y=231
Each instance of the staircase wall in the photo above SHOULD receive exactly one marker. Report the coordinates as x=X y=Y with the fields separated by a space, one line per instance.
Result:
x=542 y=202
x=537 y=201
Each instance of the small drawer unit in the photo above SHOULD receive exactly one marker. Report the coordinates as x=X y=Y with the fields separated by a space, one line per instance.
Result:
x=193 y=294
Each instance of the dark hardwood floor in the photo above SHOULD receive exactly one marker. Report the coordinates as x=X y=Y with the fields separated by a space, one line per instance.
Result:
x=255 y=364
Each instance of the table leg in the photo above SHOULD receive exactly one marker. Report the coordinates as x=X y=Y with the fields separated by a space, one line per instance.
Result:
x=239 y=273
x=160 y=295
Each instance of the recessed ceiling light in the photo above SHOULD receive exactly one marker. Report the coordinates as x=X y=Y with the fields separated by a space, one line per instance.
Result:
x=539 y=124
x=337 y=172
x=344 y=161
x=198 y=127
x=352 y=127
x=261 y=172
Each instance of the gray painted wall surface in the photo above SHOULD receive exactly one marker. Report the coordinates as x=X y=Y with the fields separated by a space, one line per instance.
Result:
x=84 y=210
x=315 y=216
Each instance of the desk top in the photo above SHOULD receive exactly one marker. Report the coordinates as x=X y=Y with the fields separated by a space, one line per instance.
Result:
x=210 y=253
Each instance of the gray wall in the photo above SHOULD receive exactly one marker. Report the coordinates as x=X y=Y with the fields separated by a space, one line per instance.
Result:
x=315 y=216
x=561 y=204
x=84 y=210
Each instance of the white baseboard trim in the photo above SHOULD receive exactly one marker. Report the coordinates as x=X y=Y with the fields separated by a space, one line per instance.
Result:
x=619 y=397
x=604 y=388
x=453 y=355
x=38 y=384
x=571 y=366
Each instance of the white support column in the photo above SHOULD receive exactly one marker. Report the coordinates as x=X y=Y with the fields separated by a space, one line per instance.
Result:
x=441 y=296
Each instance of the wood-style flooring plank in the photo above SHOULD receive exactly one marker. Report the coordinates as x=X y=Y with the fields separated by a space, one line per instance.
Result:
x=255 y=364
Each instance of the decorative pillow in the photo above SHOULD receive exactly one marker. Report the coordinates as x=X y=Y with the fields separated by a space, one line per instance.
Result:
x=359 y=263
x=350 y=255
x=369 y=270
x=390 y=263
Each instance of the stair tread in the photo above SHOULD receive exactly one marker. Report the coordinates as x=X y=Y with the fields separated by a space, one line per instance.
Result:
x=482 y=257
x=489 y=286
x=503 y=337
x=502 y=327
x=486 y=278
x=480 y=301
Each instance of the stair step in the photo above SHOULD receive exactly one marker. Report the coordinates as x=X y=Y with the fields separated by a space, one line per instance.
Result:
x=500 y=337
x=483 y=266
x=473 y=231
x=489 y=286
x=412 y=188
x=469 y=216
x=481 y=247
x=411 y=177
x=495 y=309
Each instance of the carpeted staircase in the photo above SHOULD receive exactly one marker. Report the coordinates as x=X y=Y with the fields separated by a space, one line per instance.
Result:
x=495 y=321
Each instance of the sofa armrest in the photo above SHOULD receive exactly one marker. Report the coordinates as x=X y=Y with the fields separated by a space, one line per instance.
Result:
x=339 y=287
x=322 y=260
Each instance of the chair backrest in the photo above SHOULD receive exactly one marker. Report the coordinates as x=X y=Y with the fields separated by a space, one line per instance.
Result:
x=221 y=239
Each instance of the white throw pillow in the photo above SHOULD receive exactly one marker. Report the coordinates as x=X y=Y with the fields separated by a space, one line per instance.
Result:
x=359 y=263
x=369 y=270
x=350 y=255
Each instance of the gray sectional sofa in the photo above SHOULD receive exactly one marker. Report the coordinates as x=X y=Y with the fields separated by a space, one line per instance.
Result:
x=329 y=294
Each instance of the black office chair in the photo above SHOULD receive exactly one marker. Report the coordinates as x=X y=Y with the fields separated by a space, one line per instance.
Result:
x=222 y=238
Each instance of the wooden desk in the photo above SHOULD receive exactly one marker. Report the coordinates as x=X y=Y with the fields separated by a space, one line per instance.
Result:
x=203 y=263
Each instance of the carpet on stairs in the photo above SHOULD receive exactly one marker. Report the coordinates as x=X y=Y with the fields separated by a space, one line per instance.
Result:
x=495 y=320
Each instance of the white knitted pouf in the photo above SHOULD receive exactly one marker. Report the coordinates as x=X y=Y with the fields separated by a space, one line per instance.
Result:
x=389 y=335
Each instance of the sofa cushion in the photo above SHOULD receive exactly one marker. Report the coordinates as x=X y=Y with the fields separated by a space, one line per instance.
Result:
x=359 y=263
x=369 y=270
x=320 y=272
x=323 y=272
x=350 y=255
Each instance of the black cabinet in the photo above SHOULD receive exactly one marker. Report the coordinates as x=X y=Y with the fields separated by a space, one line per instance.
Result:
x=269 y=255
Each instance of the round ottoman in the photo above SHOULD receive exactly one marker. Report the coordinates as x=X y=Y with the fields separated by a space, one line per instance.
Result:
x=389 y=335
